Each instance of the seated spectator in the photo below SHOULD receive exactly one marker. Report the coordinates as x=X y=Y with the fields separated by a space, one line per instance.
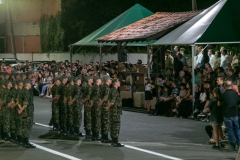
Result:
x=45 y=83
x=49 y=93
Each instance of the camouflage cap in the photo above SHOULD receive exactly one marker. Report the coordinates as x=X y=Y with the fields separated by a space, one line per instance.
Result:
x=115 y=80
x=62 y=78
x=6 y=74
x=18 y=82
x=14 y=82
x=105 y=78
x=71 y=79
x=87 y=78
x=26 y=82
x=76 y=79
x=55 y=79
x=96 y=78
x=29 y=73
x=6 y=82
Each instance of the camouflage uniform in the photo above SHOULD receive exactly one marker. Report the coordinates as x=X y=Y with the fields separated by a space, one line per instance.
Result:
x=87 y=110
x=115 y=112
x=14 y=113
x=7 y=113
x=1 y=108
x=55 y=107
x=62 y=108
x=19 y=116
x=95 y=111
x=76 y=107
x=68 y=110
x=104 y=93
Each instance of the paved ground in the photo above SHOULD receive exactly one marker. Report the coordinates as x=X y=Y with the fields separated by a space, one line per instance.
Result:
x=145 y=137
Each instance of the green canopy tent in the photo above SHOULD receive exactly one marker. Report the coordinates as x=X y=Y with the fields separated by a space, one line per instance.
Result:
x=219 y=24
x=135 y=13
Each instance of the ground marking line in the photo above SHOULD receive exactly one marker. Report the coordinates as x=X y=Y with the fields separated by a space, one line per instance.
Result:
x=154 y=153
x=43 y=125
x=56 y=152
x=135 y=148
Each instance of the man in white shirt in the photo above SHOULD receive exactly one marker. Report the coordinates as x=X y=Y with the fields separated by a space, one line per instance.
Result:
x=212 y=58
x=199 y=57
x=225 y=60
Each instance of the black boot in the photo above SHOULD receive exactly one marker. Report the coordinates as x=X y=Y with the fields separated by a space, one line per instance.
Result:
x=27 y=144
x=96 y=137
x=106 y=139
x=7 y=137
x=115 y=143
x=13 y=138
x=56 y=127
x=19 y=140
x=88 y=135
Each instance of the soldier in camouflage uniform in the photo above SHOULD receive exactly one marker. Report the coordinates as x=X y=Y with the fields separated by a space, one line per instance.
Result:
x=23 y=76
x=70 y=107
x=87 y=109
x=2 y=87
x=19 y=116
x=62 y=106
x=94 y=100
x=25 y=112
x=14 y=93
x=7 y=104
x=66 y=100
x=103 y=103
x=29 y=76
x=7 y=76
x=115 y=109
x=76 y=105
x=55 y=103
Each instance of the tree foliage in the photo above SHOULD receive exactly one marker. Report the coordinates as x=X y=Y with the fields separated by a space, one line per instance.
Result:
x=81 y=17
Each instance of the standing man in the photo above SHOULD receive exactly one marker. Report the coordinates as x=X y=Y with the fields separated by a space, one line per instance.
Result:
x=76 y=105
x=199 y=57
x=225 y=60
x=2 y=88
x=55 y=104
x=229 y=102
x=103 y=103
x=94 y=99
x=169 y=60
x=25 y=109
x=115 y=109
x=7 y=104
x=87 y=108
x=212 y=58
x=62 y=106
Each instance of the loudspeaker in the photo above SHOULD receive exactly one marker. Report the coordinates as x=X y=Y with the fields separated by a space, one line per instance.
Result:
x=122 y=55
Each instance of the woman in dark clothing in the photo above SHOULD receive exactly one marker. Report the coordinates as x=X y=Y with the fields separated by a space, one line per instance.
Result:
x=216 y=118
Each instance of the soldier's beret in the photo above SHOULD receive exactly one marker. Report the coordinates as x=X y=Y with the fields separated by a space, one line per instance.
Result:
x=87 y=78
x=115 y=80
x=70 y=79
x=76 y=79
x=62 y=78
x=14 y=82
x=105 y=78
x=55 y=79
x=95 y=79
x=26 y=81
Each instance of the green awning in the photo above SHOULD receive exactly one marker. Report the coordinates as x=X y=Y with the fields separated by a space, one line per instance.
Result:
x=218 y=24
x=135 y=13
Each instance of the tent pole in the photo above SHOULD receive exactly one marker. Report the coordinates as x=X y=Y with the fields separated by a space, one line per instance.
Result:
x=101 y=56
x=193 y=78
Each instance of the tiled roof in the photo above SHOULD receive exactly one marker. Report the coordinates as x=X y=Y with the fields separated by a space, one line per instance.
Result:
x=149 y=28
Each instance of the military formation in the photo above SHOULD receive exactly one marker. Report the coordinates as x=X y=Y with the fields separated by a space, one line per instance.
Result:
x=98 y=97
x=16 y=108
x=100 y=100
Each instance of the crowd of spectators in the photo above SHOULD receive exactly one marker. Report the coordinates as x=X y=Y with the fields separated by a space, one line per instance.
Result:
x=214 y=98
